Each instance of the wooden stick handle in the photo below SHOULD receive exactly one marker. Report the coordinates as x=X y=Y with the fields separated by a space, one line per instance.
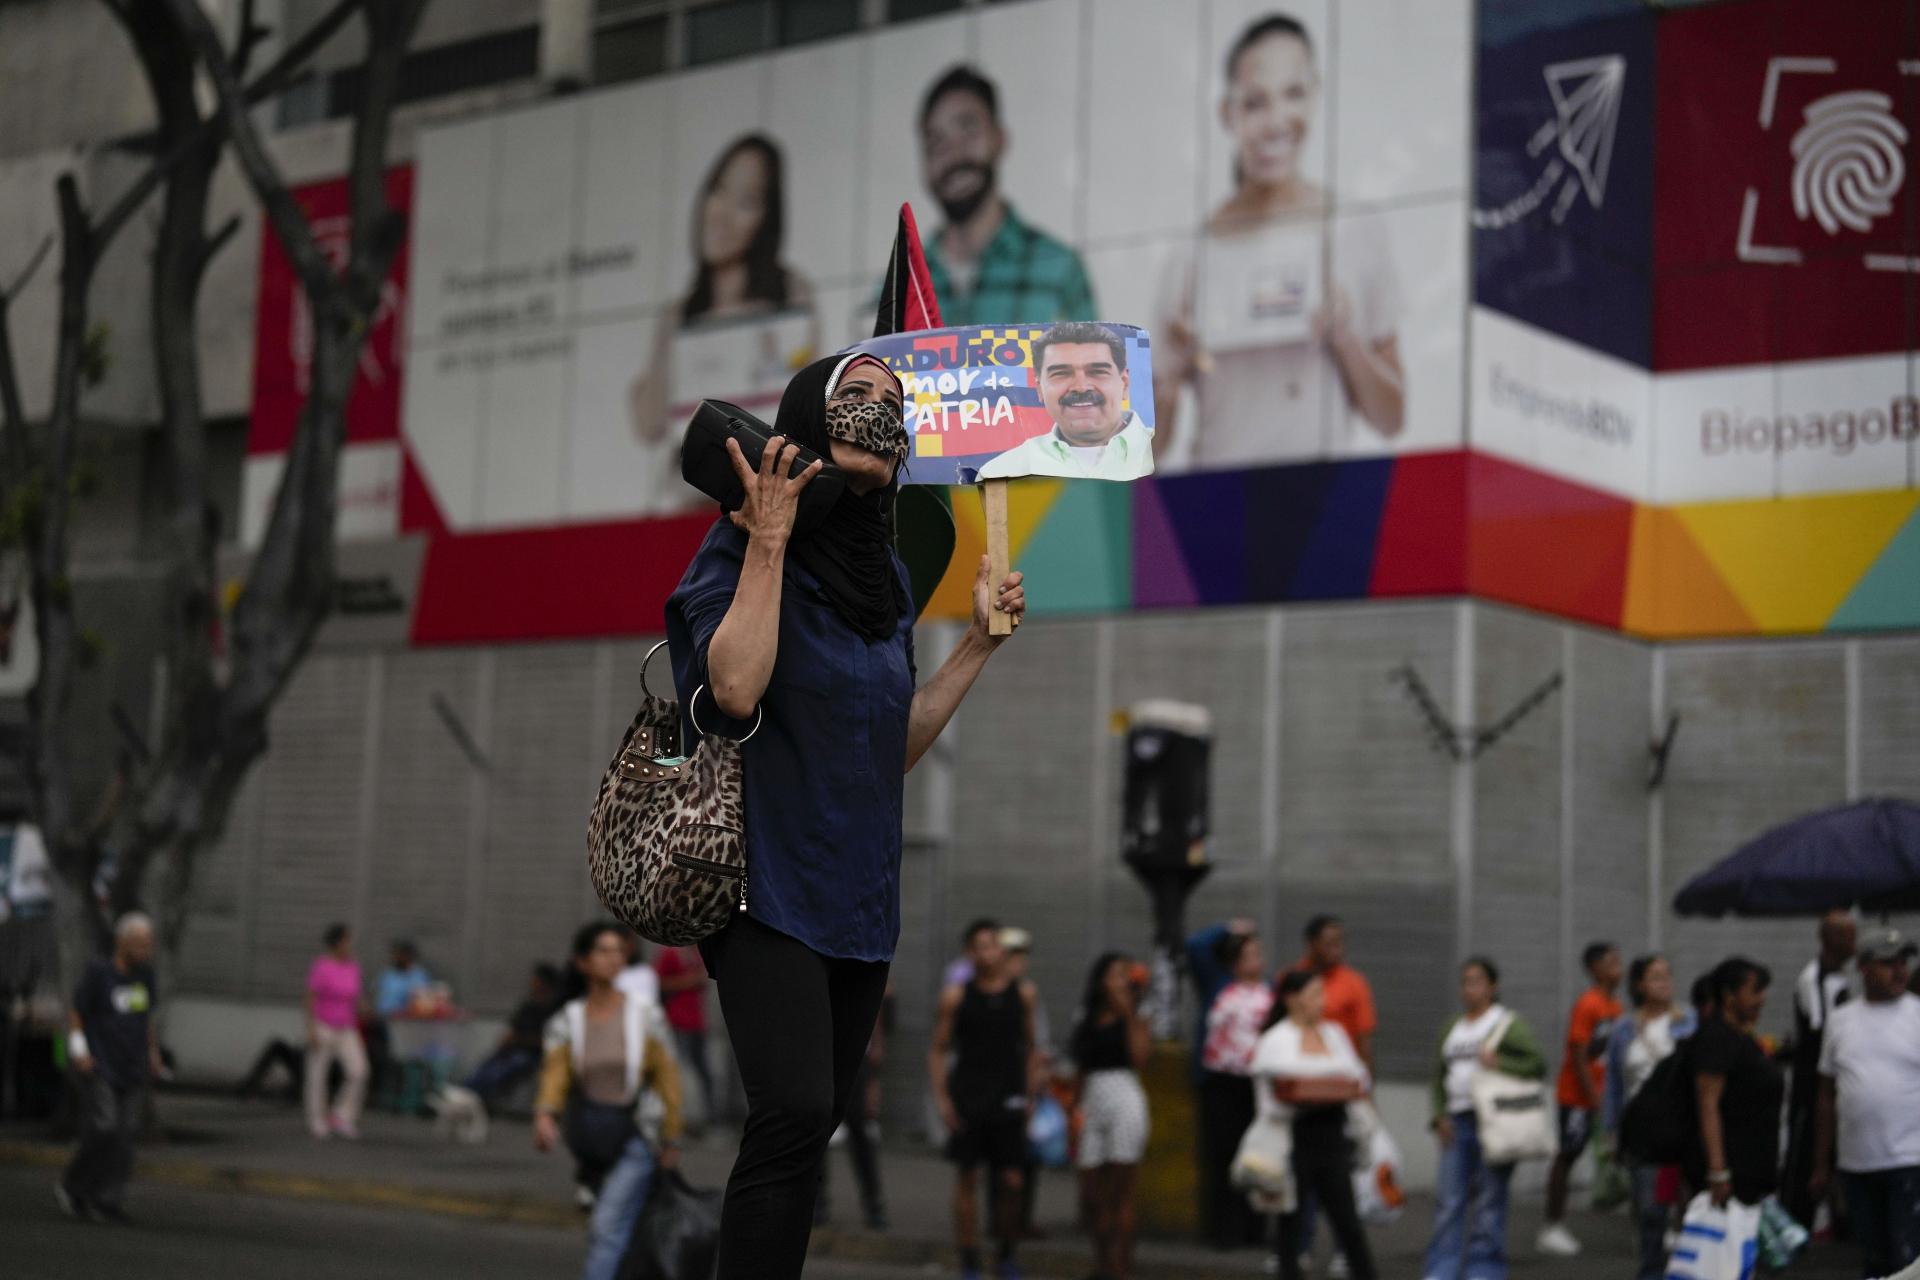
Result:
x=999 y=557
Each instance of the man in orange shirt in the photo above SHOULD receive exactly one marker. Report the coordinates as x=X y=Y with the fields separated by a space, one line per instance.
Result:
x=1582 y=1085
x=1349 y=1002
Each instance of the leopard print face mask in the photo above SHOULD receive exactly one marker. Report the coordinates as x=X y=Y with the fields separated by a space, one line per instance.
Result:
x=875 y=427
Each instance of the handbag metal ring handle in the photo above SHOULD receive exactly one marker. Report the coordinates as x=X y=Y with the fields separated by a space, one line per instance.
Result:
x=693 y=714
x=647 y=662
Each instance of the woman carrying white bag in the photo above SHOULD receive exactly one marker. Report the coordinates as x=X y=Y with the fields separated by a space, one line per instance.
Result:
x=1737 y=1097
x=1489 y=1109
x=1306 y=1074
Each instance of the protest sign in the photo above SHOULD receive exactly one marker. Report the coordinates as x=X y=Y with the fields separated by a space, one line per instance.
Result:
x=996 y=402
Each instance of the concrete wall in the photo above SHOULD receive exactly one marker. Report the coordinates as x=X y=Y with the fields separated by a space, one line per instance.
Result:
x=1327 y=796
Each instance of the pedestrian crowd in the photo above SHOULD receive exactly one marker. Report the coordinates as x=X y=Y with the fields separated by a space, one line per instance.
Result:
x=1685 y=1105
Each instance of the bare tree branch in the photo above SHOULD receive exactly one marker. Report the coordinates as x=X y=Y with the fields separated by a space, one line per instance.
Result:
x=289 y=223
x=248 y=39
x=50 y=775
x=281 y=74
x=13 y=413
x=27 y=272
x=218 y=241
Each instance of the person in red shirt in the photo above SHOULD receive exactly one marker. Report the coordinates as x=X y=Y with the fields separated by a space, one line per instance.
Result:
x=683 y=990
x=1583 y=1080
x=1348 y=1001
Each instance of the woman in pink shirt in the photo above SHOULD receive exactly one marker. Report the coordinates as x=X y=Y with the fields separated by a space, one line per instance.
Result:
x=333 y=1031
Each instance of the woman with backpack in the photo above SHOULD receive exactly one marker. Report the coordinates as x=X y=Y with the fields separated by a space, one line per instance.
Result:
x=1470 y=1224
x=600 y=1057
x=1639 y=1043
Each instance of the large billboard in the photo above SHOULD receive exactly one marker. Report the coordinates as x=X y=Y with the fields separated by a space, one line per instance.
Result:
x=1686 y=359
x=1695 y=273
x=1275 y=191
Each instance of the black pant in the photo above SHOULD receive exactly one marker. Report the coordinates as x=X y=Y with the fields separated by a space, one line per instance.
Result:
x=1323 y=1165
x=109 y=1119
x=865 y=1154
x=800 y=1024
x=1226 y=1109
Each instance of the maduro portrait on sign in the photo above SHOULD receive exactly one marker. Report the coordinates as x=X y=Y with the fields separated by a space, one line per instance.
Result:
x=993 y=402
x=1081 y=369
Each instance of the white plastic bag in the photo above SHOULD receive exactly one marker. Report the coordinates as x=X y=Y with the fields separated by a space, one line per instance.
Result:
x=1717 y=1244
x=1263 y=1166
x=1376 y=1180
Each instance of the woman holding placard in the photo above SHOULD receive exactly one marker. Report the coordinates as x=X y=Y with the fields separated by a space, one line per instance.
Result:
x=1283 y=336
x=809 y=636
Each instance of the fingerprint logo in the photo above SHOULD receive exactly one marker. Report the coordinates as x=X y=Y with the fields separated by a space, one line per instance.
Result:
x=1849 y=160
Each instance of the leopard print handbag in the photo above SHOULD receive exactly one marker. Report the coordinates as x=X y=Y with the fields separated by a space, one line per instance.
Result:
x=667 y=841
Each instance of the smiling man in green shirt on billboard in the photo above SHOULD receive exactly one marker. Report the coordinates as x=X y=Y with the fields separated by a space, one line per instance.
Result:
x=987 y=265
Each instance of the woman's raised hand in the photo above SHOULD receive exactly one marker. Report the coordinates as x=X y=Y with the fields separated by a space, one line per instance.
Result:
x=772 y=498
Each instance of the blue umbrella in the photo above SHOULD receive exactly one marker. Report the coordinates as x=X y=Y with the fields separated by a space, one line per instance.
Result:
x=1864 y=855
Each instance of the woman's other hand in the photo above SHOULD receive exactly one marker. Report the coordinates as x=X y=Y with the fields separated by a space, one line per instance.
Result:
x=772 y=498
x=546 y=1131
x=1443 y=1130
x=1011 y=598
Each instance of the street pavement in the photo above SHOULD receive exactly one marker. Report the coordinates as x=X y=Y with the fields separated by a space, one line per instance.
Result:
x=184 y=1234
x=237 y=1190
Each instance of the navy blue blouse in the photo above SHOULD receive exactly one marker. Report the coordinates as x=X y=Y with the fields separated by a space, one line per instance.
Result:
x=825 y=774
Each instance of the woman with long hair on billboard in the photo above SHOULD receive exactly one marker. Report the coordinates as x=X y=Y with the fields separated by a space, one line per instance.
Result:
x=808 y=635
x=745 y=319
x=1285 y=334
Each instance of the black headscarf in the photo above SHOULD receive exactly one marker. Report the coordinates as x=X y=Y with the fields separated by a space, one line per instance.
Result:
x=851 y=551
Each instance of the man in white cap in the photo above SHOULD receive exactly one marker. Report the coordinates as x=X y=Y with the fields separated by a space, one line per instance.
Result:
x=1870 y=1099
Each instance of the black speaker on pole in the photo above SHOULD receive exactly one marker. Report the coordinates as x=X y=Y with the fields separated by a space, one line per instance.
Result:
x=1164 y=808
x=1164 y=802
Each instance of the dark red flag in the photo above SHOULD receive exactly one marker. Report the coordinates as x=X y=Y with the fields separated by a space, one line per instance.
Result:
x=906 y=299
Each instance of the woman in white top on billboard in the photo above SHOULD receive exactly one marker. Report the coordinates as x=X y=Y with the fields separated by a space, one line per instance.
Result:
x=1282 y=342
x=738 y=225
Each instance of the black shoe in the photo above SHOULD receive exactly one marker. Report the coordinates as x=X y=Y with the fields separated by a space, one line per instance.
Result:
x=877 y=1218
x=112 y=1213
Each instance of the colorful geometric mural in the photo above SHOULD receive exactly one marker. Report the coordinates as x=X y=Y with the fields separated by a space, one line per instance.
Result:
x=1458 y=523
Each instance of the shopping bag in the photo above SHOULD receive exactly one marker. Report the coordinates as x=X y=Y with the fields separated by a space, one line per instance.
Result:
x=1716 y=1244
x=678 y=1233
x=1047 y=1132
x=1781 y=1237
x=1376 y=1182
x=1512 y=1112
x=1262 y=1167
x=1612 y=1184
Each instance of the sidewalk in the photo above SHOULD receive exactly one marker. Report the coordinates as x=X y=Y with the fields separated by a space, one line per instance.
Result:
x=261 y=1148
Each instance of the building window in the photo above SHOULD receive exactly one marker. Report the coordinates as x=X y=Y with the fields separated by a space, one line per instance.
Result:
x=907 y=10
x=729 y=29
x=804 y=20
x=500 y=58
x=630 y=49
